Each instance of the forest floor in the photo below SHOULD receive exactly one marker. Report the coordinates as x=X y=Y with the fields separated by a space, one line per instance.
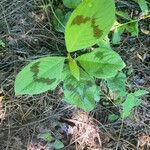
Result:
x=28 y=33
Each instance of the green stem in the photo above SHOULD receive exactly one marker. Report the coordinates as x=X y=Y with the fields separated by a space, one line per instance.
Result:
x=139 y=19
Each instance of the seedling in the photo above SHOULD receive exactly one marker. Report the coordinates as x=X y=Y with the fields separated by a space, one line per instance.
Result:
x=89 y=24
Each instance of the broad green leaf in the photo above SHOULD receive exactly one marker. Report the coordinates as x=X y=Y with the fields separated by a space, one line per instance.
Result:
x=101 y=63
x=39 y=76
x=83 y=94
x=58 y=144
x=72 y=3
x=90 y=22
x=74 y=67
x=129 y=104
x=117 y=84
x=139 y=93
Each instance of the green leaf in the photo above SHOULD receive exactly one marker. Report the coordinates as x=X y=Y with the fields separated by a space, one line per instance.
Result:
x=140 y=93
x=47 y=137
x=74 y=67
x=117 y=84
x=117 y=34
x=132 y=27
x=143 y=6
x=104 y=43
x=58 y=144
x=72 y=3
x=83 y=94
x=101 y=63
x=129 y=104
x=39 y=76
x=132 y=101
x=63 y=18
x=90 y=22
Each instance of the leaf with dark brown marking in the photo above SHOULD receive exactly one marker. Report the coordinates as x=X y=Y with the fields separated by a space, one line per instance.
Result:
x=97 y=33
x=89 y=23
x=35 y=69
x=39 y=76
x=45 y=80
x=78 y=20
x=82 y=94
x=100 y=55
x=101 y=63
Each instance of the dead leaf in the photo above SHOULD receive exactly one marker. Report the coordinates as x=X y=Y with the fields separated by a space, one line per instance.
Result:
x=143 y=142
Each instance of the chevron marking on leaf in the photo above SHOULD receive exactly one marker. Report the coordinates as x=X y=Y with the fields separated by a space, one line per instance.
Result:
x=35 y=70
x=80 y=19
